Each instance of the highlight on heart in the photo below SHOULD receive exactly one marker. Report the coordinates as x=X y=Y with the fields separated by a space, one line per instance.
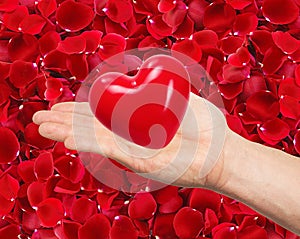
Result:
x=143 y=97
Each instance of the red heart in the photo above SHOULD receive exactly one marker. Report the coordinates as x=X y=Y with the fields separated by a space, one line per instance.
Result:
x=147 y=108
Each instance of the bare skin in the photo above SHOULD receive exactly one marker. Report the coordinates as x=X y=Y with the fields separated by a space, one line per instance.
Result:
x=263 y=178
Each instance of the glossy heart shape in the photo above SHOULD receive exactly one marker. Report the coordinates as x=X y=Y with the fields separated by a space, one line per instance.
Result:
x=146 y=109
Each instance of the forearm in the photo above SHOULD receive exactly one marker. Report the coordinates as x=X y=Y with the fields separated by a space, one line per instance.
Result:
x=266 y=179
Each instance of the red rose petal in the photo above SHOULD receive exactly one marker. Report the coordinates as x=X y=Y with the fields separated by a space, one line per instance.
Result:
x=273 y=60
x=32 y=24
x=92 y=40
x=33 y=137
x=175 y=17
x=35 y=193
x=172 y=205
x=206 y=38
x=54 y=88
x=245 y=24
x=22 y=73
x=111 y=45
x=289 y=107
x=13 y=19
x=297 y=75
x=254 y=84
x=185 y=29
x=158 y=28
x=10 y=232
x=211 y=220
x=201 y=199
x=70 y=168
x=263 y=40
x=8 y=5
x=288 y=87
x=123 y=227
x=96 y=227
x=297 y=142
x=163 y=226
x=230 y=91
x=219 y=17
x=70 y=229
x=196 y=9
x=77 y=65
x=188 y=223
x=286 y=42
x=56 y=60
x=166 y=5
x=6 y=206
x=230 y=44
x=225 y=230
x=280 y=11
x=187 y=47
x=275 y=129
x=263 y=105
x=233 y=74
x=72 y=45
x=82 y=209
x=43 y=166
x=23 y=47
x=240 y=58
x=47 y=7
x=26 y=172
x=239 y=4
x=48 y=42
x=253 y=231
x=9 y=146
x=70 y=10
x=50 y=211
x=9 y=187
x=66 y=186
x=119 y=10
x=143 y=206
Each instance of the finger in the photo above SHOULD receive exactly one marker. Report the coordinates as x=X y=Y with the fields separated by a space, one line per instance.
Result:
x=55 y=131
x=73 y=107
x=50 y=116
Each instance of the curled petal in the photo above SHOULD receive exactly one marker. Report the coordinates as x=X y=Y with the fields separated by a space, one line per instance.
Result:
x=69 y=10
x=166 y=5
x=50 y=211
x=111 y=45
x=185 y=29
x=9 y=146
x=230 y=91
x=289 y=107
x=231 y=44
x=56 y=60
x=239 y=4
x=233 y=74
x=280 y=11
x=26 y=171
x=54 y=88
